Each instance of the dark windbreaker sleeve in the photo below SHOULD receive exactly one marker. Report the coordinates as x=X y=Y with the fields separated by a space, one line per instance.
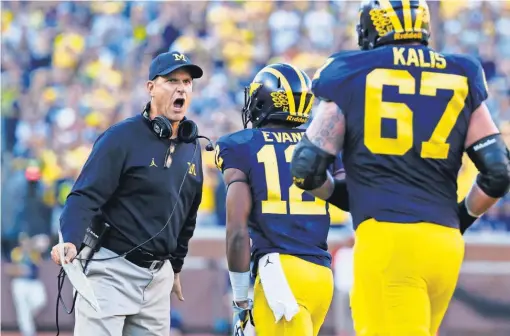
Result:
x=186 y=233
x=97 y=181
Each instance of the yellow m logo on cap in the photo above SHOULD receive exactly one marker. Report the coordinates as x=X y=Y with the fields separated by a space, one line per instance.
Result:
x=179 y=57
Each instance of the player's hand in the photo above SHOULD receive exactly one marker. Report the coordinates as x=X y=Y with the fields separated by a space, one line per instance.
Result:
x=177 y=289
x=70 y=253
x=242 y=315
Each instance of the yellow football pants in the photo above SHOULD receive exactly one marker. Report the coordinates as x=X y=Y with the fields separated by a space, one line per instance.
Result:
x=312 y=286
x=404 y=277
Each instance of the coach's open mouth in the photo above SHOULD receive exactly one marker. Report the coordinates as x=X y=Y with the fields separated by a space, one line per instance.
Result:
x=179 y=103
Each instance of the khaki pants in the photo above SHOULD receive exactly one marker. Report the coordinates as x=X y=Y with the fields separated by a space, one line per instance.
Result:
x=134 y=301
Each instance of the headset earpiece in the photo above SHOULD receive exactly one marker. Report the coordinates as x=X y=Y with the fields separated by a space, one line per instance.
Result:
x=162 y=127
x=188 y=131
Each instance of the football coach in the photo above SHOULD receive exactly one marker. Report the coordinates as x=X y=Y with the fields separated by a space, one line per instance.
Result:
x=143 y=180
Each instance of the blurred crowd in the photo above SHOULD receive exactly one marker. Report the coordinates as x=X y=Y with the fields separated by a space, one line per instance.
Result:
x=72 y=69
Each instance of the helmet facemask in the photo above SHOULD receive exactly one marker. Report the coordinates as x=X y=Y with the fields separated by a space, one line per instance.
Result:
x=251 y=111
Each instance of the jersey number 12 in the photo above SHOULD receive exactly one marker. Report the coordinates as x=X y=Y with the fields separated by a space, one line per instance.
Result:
x=274 y=203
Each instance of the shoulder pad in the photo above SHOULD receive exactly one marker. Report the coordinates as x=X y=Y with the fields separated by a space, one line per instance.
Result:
x=468 y=64
x=473 y=70
x=239 y=137
x=334 y=73
x=232 y=148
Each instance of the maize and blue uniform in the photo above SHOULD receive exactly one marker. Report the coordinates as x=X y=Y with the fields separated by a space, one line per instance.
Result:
x=286 y=220
x=407 y=111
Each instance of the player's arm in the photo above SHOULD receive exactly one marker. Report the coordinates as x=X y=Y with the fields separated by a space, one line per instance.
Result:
x=338 y=195
x=486 y=148
x=229 y=160
x=317 y=150
x=327 y=129
x=334 y=191
x=238 y=204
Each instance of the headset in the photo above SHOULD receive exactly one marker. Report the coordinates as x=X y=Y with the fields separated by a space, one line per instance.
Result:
x=187 y=131
x=162 y=127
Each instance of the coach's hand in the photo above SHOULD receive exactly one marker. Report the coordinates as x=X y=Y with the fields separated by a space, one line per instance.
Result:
x=70 y=253
x=177 y=289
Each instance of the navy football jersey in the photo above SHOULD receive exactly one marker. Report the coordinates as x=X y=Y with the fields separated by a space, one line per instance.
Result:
x=407 y=111
x=284 y=218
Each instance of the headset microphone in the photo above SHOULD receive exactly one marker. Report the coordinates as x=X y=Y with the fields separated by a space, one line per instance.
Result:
x=210 y=146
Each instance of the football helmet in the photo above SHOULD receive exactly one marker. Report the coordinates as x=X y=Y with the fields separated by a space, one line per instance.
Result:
x=384 y=22
x=280 y=93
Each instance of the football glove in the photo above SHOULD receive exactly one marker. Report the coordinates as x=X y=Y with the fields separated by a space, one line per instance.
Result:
x=241 y=318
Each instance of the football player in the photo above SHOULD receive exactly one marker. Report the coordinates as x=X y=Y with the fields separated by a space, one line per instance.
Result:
x=288 y=227
x=403 y=114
